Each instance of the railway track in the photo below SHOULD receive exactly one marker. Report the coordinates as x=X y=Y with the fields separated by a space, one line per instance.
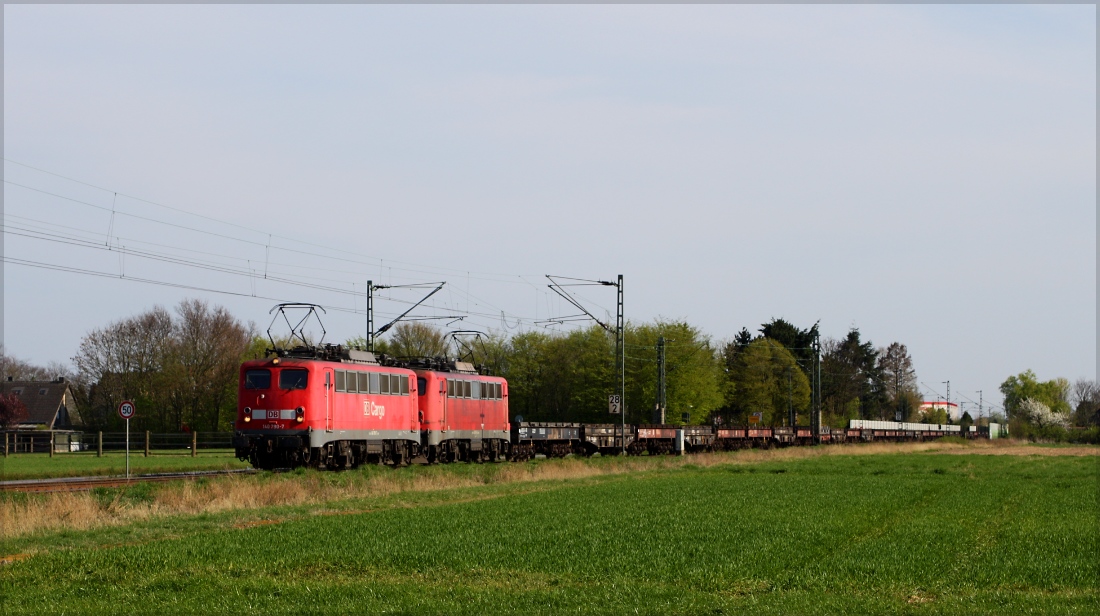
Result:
x=77 y=484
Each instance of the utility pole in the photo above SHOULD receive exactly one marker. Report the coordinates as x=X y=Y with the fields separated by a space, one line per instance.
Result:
x=790 y=399
x=620 y=330
x=370 y=316
x=979 y=404
x=371 y=288
x=620 y=336
x=815 y=392
x=947 y=407
x=659 y=411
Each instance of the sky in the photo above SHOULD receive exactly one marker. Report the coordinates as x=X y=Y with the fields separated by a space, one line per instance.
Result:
x=926 y=174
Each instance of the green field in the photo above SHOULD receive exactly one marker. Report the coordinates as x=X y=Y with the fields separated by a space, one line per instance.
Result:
x=39 y=465
x=872 y=534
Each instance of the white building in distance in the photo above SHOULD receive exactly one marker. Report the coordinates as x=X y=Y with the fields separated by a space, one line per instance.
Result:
x=951 y=408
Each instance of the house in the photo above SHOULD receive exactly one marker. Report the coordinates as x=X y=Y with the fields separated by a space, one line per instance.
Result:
x=50 y=404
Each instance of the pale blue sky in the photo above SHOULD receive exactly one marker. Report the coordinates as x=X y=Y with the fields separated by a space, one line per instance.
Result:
x=925 y=173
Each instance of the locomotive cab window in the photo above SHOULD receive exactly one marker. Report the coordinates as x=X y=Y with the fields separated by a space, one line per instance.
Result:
x=293 y=379
x=257 y=379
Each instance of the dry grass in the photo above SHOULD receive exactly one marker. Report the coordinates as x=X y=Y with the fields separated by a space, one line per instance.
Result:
x=80 y=511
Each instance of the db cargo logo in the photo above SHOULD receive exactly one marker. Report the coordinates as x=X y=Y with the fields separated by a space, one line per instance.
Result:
x=370 y=409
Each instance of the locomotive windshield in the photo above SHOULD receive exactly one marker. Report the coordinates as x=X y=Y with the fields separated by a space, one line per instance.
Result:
x=257 y=379
x=293 y=379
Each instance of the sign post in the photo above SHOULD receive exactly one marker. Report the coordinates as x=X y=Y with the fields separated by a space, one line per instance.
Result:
x=126 y=411
x=614 y=406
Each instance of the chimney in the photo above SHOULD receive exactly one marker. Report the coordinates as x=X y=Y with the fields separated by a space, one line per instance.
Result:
x=60 y=379
x=11 y=378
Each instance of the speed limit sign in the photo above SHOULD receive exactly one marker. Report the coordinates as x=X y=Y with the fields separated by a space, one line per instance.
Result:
x=126 y=409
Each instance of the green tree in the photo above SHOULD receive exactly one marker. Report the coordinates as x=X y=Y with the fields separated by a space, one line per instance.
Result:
x=852 y=383
x=1053 y=393
x=693 y=374
x=798 y=341
x=933 y=415
x=560 y=377
x=965 y=422
x=765 y=378
x=417 y=339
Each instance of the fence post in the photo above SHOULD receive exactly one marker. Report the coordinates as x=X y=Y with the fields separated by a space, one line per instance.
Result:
x=99 y=445
x=146 y=443
x=51 y=443
x=194 y=444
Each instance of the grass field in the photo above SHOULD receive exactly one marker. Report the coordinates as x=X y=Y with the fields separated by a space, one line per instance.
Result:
x=907 y=533
x=39 y=466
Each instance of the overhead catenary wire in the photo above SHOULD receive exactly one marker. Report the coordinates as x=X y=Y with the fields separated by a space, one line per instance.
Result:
x=416 y=267
x=246 y=270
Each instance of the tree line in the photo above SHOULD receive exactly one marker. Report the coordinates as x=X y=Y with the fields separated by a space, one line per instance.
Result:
x=568 y=376
x=1052 y=410
x=181 y=368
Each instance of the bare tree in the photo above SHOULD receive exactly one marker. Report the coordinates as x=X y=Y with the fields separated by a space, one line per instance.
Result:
x=899 y=379
x=181 y=372
x=1085 y=400
x=126 y=360
x=20 y=370
x=205 y=352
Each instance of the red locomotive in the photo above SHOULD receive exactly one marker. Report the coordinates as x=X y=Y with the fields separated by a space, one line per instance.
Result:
x=463 y=415
x=334 y=407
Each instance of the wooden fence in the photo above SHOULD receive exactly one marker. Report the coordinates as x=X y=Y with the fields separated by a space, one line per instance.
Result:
x=63 y=441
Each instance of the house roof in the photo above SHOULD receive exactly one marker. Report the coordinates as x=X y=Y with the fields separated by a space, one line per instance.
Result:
x=42 y=398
